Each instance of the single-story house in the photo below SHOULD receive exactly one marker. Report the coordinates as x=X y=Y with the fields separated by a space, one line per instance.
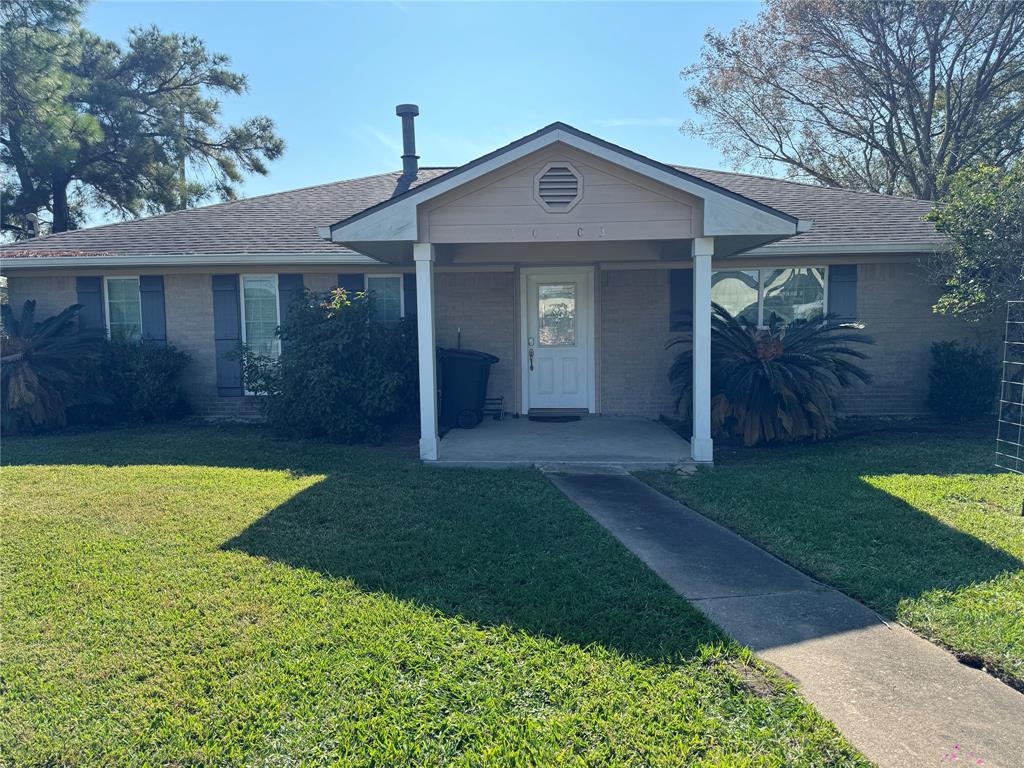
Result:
x=570 y=258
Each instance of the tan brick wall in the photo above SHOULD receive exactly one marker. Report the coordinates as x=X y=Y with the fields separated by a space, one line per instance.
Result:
x=633 y=329
x=320 y=282
x=894 y=301
x=52 y=294
x=188 y=302
x=482 y=304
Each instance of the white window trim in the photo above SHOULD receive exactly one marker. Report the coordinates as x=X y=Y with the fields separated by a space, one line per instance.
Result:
x=106 y=301
x=242 y=300
x=241 y=312
x=401 y=287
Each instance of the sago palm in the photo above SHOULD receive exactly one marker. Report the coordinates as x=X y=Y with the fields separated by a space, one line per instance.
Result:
x=773 y=384
x=40 y=362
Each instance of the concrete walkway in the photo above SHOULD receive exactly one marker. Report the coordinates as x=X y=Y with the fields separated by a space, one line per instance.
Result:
x=901 y=700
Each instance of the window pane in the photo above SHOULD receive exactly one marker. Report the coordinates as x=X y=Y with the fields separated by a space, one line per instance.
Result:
x=124 y=308
x=736 y=291
x=556 y=307
x=259 y=296
x=794 y=294
x=387 y=298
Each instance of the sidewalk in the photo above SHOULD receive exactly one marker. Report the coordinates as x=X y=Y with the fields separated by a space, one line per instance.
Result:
x=899 y=699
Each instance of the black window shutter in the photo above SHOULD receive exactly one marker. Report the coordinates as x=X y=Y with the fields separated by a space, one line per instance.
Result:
x=154 y=316
x=227 y=332
x=409 y=286
x=680 y=318
x=842 y=292
x=352 y=282
x=90 y=296
x=289 y=289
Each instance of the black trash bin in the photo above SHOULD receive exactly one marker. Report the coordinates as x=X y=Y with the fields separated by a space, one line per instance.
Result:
x=463 y=379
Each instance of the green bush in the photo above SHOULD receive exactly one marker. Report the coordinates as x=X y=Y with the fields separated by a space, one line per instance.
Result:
x=133 y=382
x=340 y=374
x=963 y=381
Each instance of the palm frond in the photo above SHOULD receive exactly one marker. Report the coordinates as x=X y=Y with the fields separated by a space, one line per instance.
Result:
x=774 y=384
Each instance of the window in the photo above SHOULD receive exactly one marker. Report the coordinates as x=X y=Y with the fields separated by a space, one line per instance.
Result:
x=556 y=309
x=124 y=308
x=793 y=293
x=260 y=314
x=736 y=291
x=388 y=301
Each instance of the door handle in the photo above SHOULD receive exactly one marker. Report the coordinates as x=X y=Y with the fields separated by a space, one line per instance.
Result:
x=531 y=358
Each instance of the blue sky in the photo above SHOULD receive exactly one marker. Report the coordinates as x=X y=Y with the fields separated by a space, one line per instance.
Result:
x=330 y=74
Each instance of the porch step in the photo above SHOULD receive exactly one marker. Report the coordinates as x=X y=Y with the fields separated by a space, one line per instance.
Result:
x=568 y=468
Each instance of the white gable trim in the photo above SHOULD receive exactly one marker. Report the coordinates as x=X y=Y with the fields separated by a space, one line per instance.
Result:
x=725 y=213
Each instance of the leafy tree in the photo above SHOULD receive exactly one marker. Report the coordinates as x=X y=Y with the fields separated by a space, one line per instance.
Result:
x=88 y=122
x=885 y=96
x=983 y=216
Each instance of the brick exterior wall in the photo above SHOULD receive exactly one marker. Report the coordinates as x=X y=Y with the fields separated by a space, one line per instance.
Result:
x=52 y=294
x=482 y=304
x=633 y=329
x=894 y=302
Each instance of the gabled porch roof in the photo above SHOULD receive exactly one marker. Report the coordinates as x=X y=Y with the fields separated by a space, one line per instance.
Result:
x=386 y=231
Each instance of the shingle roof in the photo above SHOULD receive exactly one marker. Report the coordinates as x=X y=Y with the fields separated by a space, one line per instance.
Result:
x=841 y=216
x=281 y=223
x=285 y=223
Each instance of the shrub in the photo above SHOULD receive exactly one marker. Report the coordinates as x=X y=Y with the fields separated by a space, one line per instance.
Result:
x=963 y=381
x=340 y=374
x=134 y=382
x=42 y=367
x=774 y=384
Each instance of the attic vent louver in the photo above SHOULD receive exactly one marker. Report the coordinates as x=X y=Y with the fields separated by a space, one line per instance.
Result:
x=558 y=187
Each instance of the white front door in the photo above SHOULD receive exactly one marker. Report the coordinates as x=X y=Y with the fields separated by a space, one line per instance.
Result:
x=558 y=338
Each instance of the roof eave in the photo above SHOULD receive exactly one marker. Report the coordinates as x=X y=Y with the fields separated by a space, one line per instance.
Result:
x=113 y=260
x=852 y=249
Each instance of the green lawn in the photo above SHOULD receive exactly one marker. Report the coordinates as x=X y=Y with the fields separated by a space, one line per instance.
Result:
x=919 y=526
x=181 y=596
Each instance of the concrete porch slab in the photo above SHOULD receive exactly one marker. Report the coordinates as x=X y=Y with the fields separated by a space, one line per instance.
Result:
x=595 y=441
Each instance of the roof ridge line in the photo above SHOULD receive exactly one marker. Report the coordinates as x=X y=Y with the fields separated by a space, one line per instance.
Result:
x=810 y=185
x=222 y=203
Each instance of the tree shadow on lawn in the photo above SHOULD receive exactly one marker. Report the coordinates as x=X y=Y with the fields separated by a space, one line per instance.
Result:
x=506 y=548
x=492 y=547
x=826 y=510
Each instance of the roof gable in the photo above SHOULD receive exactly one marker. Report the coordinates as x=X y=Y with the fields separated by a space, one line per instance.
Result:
x=725 y=213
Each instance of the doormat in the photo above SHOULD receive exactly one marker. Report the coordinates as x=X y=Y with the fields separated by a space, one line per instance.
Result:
x=554 y=418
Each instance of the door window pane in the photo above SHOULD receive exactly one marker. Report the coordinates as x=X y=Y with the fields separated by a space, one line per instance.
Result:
x=387 y=297
x=736 y=290
x=259 y=302
x=556 y=309
x=794 y=294
x=124 y=308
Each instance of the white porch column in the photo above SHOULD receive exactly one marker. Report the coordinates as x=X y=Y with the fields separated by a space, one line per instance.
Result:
x=423 y=255
x=701 y=448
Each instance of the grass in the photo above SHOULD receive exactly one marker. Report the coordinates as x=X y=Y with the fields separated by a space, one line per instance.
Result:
x=214 y=597
x=920 y=527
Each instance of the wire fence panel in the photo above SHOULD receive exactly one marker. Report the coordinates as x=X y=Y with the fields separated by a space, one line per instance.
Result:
x=1010 y=434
